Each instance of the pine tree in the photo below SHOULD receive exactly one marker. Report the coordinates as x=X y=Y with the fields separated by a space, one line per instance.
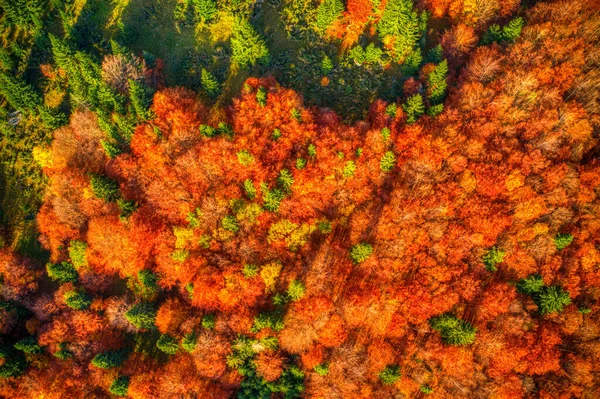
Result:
x=401 y=23
x=390 y=374
x=328 y=12
x=105 y=188
x=107 y=360
x=512 y=30
x=248 y=47
x=209 y=83
x=326 y=65
x=167 y=344
x=77 y=299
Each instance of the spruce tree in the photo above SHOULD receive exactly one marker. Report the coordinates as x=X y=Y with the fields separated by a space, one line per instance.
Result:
x=205 y=10
x=141 y=99
x=209 y=83
x=414 y=108
x=119 y=386
x=436 y=83
x=453 y=330
x=247 y=46
x=328 y=12
x=19 y=94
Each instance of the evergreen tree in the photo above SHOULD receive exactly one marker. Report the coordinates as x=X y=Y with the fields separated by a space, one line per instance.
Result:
x=189 y=342
x=436 y=83
x=19 y=94
x=328 y=12
x=28 y=345
x=412 y=63
x=205 y=10
x=360 y=252
x=413 y=108
x=167 y=344
x=388 y=161
x=552 y=299
x=77 y=299
x=141 y=99
x=512 y=30
x=62 y=272
x=105 y=188
x=326 y=65
x=390 y=375
x=401 y=23
x=119 y=386
x=209 y=83
x=454 y=331
x=141 y=315
x=107 y=360
x=247 y=46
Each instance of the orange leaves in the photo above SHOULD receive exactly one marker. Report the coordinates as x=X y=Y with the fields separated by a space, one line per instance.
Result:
x=333 y=333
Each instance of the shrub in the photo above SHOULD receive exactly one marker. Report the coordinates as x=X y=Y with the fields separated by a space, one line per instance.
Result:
x=167 y=344
x=492 y=257
x=77 y=299
x=387 y=162
x=119 y=386
x=453 y=330
x=390 y=374
x=141 y=315
x=105 y=188
x=360 y=252
x=561 y=241
x=63 y=272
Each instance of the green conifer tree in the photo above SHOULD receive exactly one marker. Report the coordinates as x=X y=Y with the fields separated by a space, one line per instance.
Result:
x=248 y=47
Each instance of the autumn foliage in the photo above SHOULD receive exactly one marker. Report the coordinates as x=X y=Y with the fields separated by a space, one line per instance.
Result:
x=271 y=245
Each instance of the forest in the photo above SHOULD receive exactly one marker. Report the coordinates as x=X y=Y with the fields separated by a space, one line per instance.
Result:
x=279 y=199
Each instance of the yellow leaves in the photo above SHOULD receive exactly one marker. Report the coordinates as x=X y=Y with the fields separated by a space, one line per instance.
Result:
x=43 y=156
x=530 y=210
x=295 y=236
x=249 y=213
x=540 y=228
x=514 y=180
x=269 y=274
x=581 y=131
x=183 y=236
x=468 y=182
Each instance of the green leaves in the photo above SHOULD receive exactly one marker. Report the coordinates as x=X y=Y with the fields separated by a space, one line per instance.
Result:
x=210 y=84
x=322 y=369
x=390 y=374
x=360 y=252
x=189 y=342
x=261 y=96
x=63 y=272
x=531 y=285
x=141 y=315
x=552 y=299
x=453 y=330
x=296 y=290
x=77 y=299
x=561 y=241
x=119 y=386
x=414 y=108
x=509 y=33
x=28 y=345
x=107 y=360
x=167 y=344
x=328 y=12
x=248 y=47
x=387 y=162
x=104 y=188
x=492 y=257
x=230 y=223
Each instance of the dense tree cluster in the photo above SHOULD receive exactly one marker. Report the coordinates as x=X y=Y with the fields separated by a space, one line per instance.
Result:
x=447 y=245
